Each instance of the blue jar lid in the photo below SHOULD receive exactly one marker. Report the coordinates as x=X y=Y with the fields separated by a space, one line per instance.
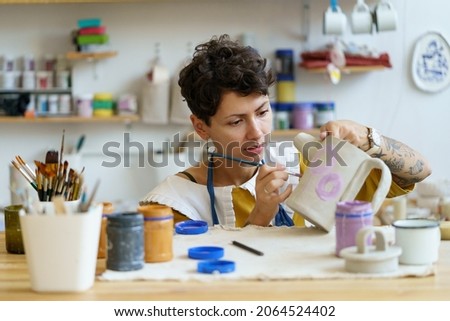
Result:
x=324 y=106
x=220 y=266
x=284 y=106
x=191 y=227
x=284 y=52
x=206 y=252
x=285 y=77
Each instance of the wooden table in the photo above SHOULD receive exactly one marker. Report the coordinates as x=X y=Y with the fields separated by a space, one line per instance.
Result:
x=15 y=285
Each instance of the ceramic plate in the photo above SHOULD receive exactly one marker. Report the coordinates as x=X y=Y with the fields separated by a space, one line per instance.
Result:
x=430 y=63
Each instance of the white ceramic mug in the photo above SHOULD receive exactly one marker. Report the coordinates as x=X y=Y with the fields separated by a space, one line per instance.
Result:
x=334 y=21
x=419 y=240
x=336 y=172
x=385 y=16
x=361 y=18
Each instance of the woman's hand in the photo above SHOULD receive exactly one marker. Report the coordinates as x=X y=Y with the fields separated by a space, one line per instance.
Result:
x=268 y=197
x=348 y=130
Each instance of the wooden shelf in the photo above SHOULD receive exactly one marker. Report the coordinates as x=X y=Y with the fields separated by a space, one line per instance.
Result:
x=74 y=55
x=291 y=133
x=349 y=70
x=35 y=91
x=67 y=1
x=71 y=119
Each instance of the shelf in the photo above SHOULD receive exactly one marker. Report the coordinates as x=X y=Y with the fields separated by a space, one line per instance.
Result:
x=291 y=133
x=35 y=91
x=74 y=55
x=66 y=1
x=71 y=119
x=349 y=70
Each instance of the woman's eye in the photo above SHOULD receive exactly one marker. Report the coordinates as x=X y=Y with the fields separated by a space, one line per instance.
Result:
x=236 y=122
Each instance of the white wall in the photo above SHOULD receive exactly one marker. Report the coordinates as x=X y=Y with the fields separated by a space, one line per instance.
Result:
x=387 y=100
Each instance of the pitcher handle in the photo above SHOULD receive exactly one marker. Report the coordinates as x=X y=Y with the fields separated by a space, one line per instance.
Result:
x=360 y=177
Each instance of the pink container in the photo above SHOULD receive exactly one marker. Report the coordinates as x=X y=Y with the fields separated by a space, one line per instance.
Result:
x=351 y=216
x=303 y=115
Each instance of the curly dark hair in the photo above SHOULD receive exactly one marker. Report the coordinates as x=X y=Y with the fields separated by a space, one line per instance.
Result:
x=218 y=66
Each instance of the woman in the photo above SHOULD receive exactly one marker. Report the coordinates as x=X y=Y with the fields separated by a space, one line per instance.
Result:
x=226 y=87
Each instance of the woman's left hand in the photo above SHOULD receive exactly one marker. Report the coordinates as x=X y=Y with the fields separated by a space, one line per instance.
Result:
x=347 y=130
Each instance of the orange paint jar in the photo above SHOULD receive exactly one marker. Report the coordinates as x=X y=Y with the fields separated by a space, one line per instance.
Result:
x=158 y=232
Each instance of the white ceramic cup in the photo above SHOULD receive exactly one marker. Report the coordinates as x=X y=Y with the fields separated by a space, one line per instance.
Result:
x=385 y=16
x=334 y=21
x=361 y=18
x=61 y=250
x=419 y=240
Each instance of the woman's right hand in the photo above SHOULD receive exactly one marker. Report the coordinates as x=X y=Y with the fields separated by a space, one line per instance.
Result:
x=268 y=196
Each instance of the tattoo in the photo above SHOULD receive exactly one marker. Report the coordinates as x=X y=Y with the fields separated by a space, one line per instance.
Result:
x=417 y=168
x=378 y=155
x=395 y=165
x=398 y=148
x=393 y=145
x=404 y=182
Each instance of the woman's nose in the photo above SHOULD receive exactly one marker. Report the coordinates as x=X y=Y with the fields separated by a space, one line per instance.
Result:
x=254 y=130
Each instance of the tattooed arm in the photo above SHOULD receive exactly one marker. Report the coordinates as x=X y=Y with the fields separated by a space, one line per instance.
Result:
x=407 y=165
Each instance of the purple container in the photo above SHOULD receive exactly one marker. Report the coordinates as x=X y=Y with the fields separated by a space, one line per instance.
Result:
x=351 y=216
x=303 y=115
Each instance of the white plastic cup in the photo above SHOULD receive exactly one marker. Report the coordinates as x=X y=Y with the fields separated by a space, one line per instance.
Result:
x=48 y=208
x=61 y=250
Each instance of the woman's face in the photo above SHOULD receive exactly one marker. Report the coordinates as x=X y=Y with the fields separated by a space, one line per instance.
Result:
x=240 y=125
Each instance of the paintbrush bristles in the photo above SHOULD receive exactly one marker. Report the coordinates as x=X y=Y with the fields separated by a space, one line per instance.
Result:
x=52 y=178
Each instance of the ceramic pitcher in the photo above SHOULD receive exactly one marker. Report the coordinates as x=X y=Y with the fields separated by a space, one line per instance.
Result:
x=336 y=172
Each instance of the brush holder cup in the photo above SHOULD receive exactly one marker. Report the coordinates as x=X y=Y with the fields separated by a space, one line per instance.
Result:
x=61 y=250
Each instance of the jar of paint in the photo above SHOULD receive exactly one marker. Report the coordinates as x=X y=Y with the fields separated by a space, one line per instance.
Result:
x=158 y=232
x=350 y=217
x=125 y=233
x=303 y=115
x=324 y=113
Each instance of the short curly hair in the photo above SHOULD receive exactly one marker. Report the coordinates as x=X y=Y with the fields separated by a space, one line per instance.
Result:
x=219 y=66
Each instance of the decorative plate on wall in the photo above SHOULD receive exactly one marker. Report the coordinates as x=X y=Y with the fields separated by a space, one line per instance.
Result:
x=431 y=62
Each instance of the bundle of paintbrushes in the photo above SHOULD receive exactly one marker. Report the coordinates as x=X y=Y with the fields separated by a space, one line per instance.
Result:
x=52 y=178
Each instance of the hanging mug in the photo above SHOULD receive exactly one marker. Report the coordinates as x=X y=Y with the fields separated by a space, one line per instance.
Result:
x=385 y=16
x=334 y=21
x=361 y=18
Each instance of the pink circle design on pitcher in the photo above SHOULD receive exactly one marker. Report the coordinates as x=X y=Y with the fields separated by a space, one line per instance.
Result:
x=329 y=186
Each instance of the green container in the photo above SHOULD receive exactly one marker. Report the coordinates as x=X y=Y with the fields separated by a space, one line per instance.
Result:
x=13 y=232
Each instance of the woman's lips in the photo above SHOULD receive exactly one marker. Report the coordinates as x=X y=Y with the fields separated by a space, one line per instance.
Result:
x=255 y=150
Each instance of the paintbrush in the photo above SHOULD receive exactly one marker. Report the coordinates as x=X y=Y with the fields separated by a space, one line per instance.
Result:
x=61 y=151
x=24 y=174
x=26 y=167
x=84 y=207
x=58 y=202
x=247 y=162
